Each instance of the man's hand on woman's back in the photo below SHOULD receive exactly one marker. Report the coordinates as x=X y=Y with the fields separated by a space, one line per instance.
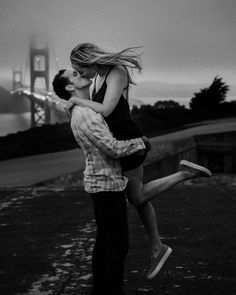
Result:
x=147 y=143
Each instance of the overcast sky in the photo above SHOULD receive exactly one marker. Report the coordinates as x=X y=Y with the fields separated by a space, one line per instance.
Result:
x=184 y=41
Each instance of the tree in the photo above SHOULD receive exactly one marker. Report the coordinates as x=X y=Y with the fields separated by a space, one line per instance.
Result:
x=209 y=99
x=167 y=104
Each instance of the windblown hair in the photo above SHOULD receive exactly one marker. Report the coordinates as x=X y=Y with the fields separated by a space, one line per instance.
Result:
x=88 y=54
x=59 y=83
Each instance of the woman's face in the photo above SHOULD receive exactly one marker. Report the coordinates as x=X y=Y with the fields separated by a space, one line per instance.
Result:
x=86 y=72
x=76 y=79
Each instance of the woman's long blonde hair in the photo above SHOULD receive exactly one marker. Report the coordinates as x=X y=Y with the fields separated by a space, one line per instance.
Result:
x=88 y=54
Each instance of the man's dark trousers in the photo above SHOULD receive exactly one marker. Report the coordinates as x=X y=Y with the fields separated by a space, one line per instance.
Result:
x=112 y=242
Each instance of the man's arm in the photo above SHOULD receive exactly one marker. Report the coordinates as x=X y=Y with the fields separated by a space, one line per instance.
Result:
x=95 y=128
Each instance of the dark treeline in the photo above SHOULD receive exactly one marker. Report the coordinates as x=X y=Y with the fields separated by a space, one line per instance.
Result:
x=37 y=140
x=166 y=116
x=163 y=117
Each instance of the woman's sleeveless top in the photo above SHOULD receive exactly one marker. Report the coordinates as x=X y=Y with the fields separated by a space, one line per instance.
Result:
x=119 y=121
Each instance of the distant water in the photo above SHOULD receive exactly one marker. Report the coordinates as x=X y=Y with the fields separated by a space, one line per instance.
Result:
x=11 y=123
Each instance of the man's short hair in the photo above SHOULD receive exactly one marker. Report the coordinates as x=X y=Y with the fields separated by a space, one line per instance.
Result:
x=59 y=83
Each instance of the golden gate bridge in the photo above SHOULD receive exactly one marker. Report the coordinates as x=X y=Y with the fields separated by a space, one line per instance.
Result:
x=45 y=107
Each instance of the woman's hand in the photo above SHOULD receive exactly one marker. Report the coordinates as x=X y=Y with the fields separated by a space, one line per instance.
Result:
x=69 y=104
x=67 y=107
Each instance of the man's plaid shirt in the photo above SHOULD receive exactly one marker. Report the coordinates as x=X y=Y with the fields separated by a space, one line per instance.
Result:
x=102 y=150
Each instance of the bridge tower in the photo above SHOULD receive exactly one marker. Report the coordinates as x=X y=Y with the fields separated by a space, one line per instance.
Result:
x=39 y=68
x=16 y=79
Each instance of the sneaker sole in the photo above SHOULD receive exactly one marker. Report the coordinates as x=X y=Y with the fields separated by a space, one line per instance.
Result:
x=194 y=168
x=160 y=264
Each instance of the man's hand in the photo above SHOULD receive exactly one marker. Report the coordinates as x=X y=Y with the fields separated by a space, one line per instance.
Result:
x=147 y=143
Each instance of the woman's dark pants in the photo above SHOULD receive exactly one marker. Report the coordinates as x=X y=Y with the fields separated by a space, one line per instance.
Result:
x=112 y=242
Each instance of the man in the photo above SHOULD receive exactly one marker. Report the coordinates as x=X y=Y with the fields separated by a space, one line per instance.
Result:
x=104 y=181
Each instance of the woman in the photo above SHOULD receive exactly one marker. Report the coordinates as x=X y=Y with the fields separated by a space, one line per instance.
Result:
x=110 y=98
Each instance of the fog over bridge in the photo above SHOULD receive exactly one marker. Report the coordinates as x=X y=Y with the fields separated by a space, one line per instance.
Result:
x=45 y=106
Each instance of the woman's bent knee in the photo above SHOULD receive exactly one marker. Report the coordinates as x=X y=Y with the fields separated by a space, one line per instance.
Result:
x=136 y=201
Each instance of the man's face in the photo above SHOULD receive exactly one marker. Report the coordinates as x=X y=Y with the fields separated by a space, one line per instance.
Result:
x=76 y=79
x=86 y=72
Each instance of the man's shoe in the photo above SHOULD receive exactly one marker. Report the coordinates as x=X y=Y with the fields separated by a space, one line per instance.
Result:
x=158 y=262
x=194 y=168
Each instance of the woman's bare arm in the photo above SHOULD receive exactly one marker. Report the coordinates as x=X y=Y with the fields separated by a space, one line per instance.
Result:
x=116 y=82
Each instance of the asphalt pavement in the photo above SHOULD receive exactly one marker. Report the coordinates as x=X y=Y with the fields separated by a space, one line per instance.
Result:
x=48 y=232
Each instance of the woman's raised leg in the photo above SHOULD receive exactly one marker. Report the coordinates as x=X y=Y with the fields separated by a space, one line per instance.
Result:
x=152 y=189
x=140 y=196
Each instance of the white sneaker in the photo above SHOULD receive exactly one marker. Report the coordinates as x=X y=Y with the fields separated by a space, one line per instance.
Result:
x=194 y=168
x=158 y=262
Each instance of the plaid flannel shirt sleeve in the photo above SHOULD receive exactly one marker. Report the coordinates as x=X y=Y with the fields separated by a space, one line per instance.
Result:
x=97 y=130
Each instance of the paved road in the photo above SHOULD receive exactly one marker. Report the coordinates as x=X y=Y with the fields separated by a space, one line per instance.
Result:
x=30 y=170
x=34 y=169
x=47 y=236
x=212 y=126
